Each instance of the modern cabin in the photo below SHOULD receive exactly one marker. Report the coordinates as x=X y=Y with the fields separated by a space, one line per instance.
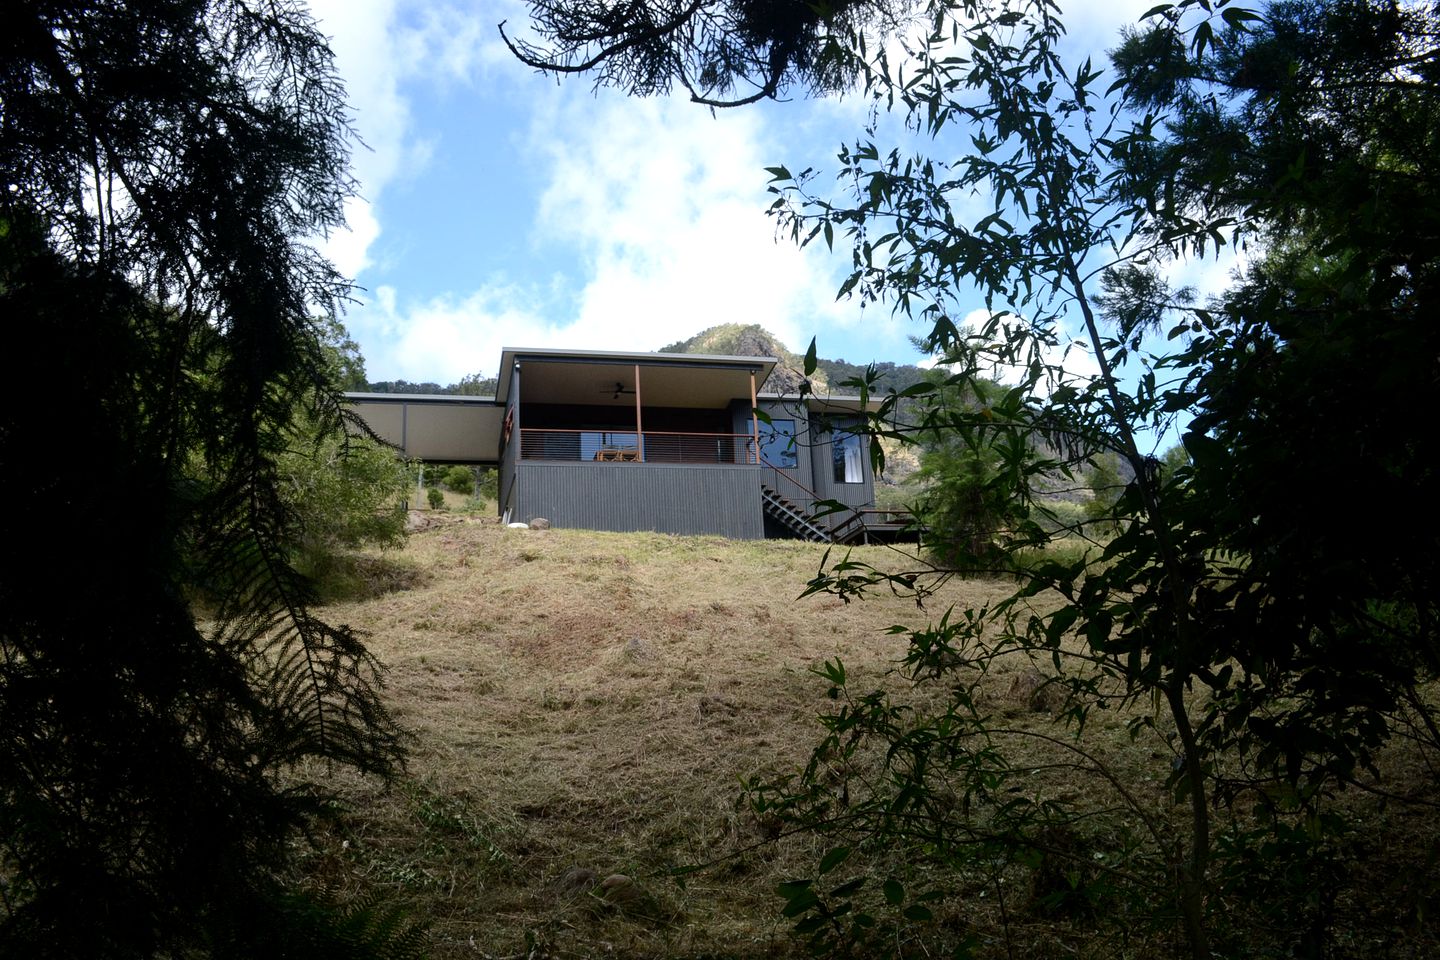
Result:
x=674 y=443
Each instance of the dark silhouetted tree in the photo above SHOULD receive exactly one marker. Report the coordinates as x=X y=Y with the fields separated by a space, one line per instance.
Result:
x=166 y=170
x=724 y=53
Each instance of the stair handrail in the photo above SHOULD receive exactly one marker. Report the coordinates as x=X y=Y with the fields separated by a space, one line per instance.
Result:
x=830 y=529
x=788 y=514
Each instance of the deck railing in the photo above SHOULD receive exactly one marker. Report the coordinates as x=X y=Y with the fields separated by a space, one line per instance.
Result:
x=650 y=446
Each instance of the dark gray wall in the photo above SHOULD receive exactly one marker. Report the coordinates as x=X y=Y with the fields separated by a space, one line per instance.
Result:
x=668 y=498
x=797 y=492
x=823 y=461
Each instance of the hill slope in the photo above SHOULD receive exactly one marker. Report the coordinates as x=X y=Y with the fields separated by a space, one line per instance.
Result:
x=585 y=705
x=753 y=340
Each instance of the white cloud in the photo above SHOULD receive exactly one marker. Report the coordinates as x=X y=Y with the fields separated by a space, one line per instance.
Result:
x=660 y=203
x=665 y=203
x=380 y=46
x=1068 y=359
x=663 y=207
x=445 y=339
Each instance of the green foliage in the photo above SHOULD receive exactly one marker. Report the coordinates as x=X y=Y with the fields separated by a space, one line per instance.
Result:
x=1174 y=459
x=470 y=385
x=1309 y=641
x=304 y=926
x=969 y=501
x=460 y=480
x=435 y=497
x=1106 y=485
x=475 y=385
x=489 y=485
x=345 y=491
x=343 y=353
x=166 y=171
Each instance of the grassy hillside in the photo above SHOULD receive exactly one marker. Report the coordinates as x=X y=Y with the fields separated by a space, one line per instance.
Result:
x=589 y=702
x=585 y=705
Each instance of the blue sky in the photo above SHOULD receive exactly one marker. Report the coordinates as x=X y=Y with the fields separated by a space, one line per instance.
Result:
x=500 y=208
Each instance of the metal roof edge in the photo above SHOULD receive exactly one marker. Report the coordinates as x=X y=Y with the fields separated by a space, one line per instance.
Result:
x=510 y=355
x=361 y=396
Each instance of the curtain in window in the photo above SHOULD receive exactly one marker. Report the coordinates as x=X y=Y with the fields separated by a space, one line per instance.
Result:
x=853 y=470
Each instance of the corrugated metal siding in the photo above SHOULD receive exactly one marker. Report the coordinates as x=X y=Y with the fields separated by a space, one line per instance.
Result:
x=716 y=499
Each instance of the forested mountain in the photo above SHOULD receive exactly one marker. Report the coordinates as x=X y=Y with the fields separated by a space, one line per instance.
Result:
x=753 y=340
x=471 y=385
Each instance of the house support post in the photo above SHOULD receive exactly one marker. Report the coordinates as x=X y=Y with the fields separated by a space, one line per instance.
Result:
x=639 y=425
x=753 y=455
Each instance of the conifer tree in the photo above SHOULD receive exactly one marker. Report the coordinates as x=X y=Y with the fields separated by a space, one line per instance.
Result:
x=167 y=169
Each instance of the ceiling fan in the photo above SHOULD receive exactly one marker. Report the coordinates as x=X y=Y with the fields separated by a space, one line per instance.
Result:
x=619 y=389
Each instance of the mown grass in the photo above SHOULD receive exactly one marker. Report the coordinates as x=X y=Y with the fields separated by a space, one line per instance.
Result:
x=584 y=705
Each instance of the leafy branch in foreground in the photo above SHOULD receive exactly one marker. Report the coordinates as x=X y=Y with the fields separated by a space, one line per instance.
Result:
x=1272 y=644
x=722 y=53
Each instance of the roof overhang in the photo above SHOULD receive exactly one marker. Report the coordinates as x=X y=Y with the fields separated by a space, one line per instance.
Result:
x=605 y=378
x=832 y=405
x=440 y=429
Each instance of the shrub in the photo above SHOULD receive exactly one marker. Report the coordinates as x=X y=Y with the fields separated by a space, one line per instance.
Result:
x=489 y=484
x=459 y=480
x=346 y=492
x=435 y=497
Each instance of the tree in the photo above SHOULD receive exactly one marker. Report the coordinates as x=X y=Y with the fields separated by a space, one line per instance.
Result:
x=1306 y=129
x=723 y=53
x=166 y=173
x=968 y=502
x=345 y=491
x=1312 y=373
x=476 y=385
x=1309 y=634
x=460 y=479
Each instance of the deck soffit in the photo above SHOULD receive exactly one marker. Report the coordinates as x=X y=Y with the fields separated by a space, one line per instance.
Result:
x=683 y=381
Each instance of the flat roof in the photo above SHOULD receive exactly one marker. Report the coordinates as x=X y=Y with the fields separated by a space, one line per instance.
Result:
x=363 y=397
x=615 y=378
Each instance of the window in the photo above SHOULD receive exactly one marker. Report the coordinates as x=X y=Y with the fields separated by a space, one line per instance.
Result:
x=777 y=443
x=609 y=445
x=846 y=449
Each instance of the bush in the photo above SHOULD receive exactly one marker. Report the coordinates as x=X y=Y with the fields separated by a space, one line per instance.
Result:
x=489 y=484
x=347 y=491
x=435 y=497
x=459 y=480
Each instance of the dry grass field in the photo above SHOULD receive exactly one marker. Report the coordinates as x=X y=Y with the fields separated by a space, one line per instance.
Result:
x=585 y=706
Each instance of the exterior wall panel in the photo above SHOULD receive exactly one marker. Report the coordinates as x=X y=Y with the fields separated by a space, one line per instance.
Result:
x=852 y=494
x=718 y=499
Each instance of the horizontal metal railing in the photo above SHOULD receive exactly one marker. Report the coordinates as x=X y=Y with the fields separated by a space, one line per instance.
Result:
x=649 y=446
